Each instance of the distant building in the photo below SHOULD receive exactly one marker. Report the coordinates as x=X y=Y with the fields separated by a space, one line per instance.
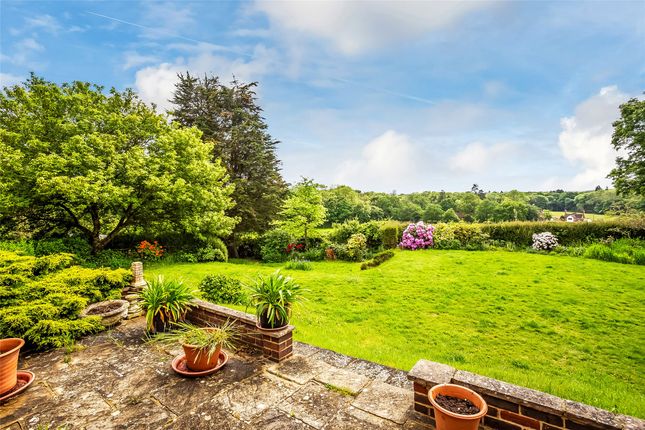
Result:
x=573 y=217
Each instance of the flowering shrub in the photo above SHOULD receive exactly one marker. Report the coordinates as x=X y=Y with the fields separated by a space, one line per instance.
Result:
x=293 y=248
x=417 y=236
x=357 y=247
x=150 y=251
x=545 y=241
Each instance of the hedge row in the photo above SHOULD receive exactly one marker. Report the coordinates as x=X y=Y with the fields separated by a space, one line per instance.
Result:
x=568 y=233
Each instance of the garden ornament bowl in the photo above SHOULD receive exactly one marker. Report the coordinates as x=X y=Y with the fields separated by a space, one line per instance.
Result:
x=111 y=312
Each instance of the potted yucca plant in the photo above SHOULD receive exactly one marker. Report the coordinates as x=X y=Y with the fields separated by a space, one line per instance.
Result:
x=202 y=345
x=165 y=303
x=273 y=296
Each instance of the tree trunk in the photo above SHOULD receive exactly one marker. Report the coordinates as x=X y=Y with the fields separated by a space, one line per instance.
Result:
x=306 y=239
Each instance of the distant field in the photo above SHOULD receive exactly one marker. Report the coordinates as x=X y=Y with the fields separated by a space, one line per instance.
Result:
x=569 y=326
x=598 y=217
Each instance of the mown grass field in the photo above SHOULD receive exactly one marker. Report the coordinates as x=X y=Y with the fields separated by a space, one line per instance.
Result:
x=569 y=326
x=593 y=217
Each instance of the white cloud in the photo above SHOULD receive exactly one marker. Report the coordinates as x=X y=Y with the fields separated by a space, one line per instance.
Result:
x=29 y=44
x=477 y=157
x=134 y=59
x=44 y=22
x=156 y=84
x=585 y=139
x=7 y=79
x=162 y=19
x=23 y=52
x=353 y=27
x=389 y=161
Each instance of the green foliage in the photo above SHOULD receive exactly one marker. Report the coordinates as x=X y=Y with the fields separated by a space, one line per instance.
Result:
x=378 y=259
x=274 y=245
x=273 y=297
x=231 y=117
x=41 y=297
x=371 y=230
x=568 y=233
x=76 y=157
x=343 y=204
x=207 y=339
x=450 y=216
x=165 y=302
x=391 y=234
x=298 y=265
x=222 y=289
x=459 y=236
x=215 y=251
x=303 y=210
x=357 y=247
x=626 y=251
x=629 y=138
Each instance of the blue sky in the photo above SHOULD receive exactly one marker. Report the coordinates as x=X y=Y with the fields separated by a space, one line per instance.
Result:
x=384 y=96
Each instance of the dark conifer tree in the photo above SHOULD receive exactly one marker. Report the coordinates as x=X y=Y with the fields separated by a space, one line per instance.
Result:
x=229 y=116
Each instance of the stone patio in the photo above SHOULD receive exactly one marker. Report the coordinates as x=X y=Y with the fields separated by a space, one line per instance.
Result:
x=117 y=381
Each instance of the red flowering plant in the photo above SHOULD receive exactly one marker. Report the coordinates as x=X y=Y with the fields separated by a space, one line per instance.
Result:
x=150 y=251
x=293 y=249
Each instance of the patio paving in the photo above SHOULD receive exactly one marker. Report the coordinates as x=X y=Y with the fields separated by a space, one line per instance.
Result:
x=115 y=380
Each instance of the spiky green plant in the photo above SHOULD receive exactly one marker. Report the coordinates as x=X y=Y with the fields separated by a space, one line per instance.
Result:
x=168 y=300
x=273 y=297
x=205 y=339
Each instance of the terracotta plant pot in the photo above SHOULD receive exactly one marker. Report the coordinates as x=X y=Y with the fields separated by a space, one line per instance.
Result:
x=9 y=351
x=198 y=359
x=118 y=310
x=448 y=420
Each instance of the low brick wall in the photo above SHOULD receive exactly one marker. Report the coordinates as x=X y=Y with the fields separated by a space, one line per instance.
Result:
x=511 y=407
x=276 y=346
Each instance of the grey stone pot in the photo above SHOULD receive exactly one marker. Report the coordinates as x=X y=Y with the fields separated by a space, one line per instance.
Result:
x=110 y=318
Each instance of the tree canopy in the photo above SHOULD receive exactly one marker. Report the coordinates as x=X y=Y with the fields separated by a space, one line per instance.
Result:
x=629 y=139
x=302 y=210
x=230 y=118
x=76 y=158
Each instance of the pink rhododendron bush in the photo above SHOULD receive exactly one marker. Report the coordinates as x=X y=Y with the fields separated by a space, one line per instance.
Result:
x=417 y=236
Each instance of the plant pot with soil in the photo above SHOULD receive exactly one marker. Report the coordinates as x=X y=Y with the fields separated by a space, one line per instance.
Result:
x=111 y=312
x=165 y=303
x=273 y=297
x=9 y=352
x=202 y=345
x=456 y=407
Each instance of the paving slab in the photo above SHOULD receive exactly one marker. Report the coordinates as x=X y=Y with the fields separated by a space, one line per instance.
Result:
x=249 y=398
x=276 y=419
x=299 y=369
x=354 y=419
x=186 y=393
x=385 y=401
x=314 y=404
x=343 y=379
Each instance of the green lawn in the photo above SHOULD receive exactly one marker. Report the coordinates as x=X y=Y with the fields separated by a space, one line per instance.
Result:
x=569 y=326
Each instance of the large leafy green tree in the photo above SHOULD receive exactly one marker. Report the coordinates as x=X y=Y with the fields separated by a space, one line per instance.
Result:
x=230 y=117
x=73 y=157
x=302 y=210
x=629 y=138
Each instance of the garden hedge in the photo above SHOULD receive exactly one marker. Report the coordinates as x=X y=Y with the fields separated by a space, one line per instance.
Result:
x=568 y=233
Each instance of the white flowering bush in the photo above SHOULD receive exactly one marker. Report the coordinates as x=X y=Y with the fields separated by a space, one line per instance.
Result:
x=544 y=241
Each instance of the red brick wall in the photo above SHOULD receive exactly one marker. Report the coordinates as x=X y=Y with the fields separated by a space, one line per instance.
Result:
x=276 y=346
x=511 y=407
